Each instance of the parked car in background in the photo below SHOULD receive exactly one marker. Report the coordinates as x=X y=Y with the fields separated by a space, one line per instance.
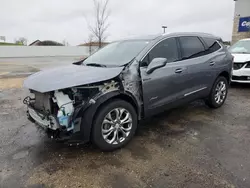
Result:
x=241 y=66
x=103 y=98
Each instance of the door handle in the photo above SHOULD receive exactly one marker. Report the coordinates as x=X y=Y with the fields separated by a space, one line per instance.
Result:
x=212 y=63
x=178 y=70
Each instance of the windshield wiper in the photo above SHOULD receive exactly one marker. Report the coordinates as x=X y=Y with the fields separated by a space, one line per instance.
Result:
x=244 y=52
x=241 y=52
x=95 y=65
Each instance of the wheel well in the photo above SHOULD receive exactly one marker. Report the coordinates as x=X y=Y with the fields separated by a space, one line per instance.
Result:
x=90 y=114
x=226 y=75
x=122 y=97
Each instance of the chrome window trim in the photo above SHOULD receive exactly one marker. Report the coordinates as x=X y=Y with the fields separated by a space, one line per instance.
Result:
x=221 y=47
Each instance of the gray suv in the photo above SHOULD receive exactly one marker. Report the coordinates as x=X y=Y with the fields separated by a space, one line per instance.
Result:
x=102 y=98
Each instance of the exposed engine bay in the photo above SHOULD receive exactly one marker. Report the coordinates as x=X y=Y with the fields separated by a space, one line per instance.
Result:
x=57 y=110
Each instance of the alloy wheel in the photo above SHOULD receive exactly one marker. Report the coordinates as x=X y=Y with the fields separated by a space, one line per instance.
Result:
x=220 y=92
x=116 y=126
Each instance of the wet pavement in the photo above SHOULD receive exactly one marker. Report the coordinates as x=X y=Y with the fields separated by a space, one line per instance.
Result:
x=192 y=146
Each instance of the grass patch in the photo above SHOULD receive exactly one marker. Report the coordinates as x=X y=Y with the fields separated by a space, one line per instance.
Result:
x=9 y=44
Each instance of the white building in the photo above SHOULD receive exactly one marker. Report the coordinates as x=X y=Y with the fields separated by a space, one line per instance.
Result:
x=241 y=28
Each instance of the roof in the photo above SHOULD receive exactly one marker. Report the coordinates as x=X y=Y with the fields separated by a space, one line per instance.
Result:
x=93 y=44
x=146 y=37
x=34 y=43
x=45 y=43
x=174 y=34
x=200 y=34
x=245 y=39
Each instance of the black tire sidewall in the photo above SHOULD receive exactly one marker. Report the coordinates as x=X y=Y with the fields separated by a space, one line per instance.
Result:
x=212 y=102
x=97 y=137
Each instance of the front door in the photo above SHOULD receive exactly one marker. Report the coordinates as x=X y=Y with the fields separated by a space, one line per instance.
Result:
x=164 y=85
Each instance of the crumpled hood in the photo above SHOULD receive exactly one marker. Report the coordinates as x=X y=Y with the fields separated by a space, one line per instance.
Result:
x=241 y=58
x=69 y=76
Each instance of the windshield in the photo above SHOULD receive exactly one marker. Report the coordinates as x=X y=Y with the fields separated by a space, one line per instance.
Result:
x=117 y=53
x=241 y=47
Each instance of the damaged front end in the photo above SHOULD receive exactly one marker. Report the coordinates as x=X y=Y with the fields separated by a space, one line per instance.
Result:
x=60 y=112
x=66 y=108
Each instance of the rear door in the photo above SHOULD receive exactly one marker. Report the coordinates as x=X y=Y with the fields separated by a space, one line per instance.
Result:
x=164 y=85
x=199 y=76
x=215 y=58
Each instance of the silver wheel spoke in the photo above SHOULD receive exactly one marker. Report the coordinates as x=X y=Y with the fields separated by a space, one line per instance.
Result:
x=218 y=99
x=117 y=114
x=109 y=116
x=122 y=110
x=114 y=137
x=107 y=135
x=126 y=129
x=223 y=88
x=117 y=137
x=126 y=119
x=107 y=131
x=107 y=121
x=124 y=134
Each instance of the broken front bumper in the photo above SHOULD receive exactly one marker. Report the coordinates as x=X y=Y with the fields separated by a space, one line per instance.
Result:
x=52 y=127
x=49 y=122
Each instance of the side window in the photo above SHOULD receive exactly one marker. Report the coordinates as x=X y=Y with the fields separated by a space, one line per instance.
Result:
x=165 y=49
x=191 y=47
x=212 y=45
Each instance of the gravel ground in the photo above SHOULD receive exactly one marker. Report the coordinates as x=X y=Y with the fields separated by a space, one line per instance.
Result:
x=192 y=146
x=8 y=83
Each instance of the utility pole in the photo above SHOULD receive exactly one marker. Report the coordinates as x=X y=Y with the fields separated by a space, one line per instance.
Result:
x=164 y=28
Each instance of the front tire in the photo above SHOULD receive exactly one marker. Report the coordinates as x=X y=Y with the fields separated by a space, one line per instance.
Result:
x=218 y=93
x=114 y=125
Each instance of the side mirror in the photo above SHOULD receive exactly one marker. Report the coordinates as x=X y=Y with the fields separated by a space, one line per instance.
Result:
x=156 y=63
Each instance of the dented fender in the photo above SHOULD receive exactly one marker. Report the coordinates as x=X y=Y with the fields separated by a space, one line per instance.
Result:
x=87 y=114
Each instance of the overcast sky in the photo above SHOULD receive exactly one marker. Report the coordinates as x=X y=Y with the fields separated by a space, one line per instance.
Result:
x=64 y=19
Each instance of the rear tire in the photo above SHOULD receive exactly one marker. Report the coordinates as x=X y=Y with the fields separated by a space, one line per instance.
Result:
x=114 y=125
x=218 y=93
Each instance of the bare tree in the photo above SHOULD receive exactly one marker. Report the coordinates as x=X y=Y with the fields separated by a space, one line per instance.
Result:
x=100 y=26
x=22 y=41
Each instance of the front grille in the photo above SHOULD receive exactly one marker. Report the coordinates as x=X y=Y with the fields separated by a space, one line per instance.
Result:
x=238 y=66
x=243 y=78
